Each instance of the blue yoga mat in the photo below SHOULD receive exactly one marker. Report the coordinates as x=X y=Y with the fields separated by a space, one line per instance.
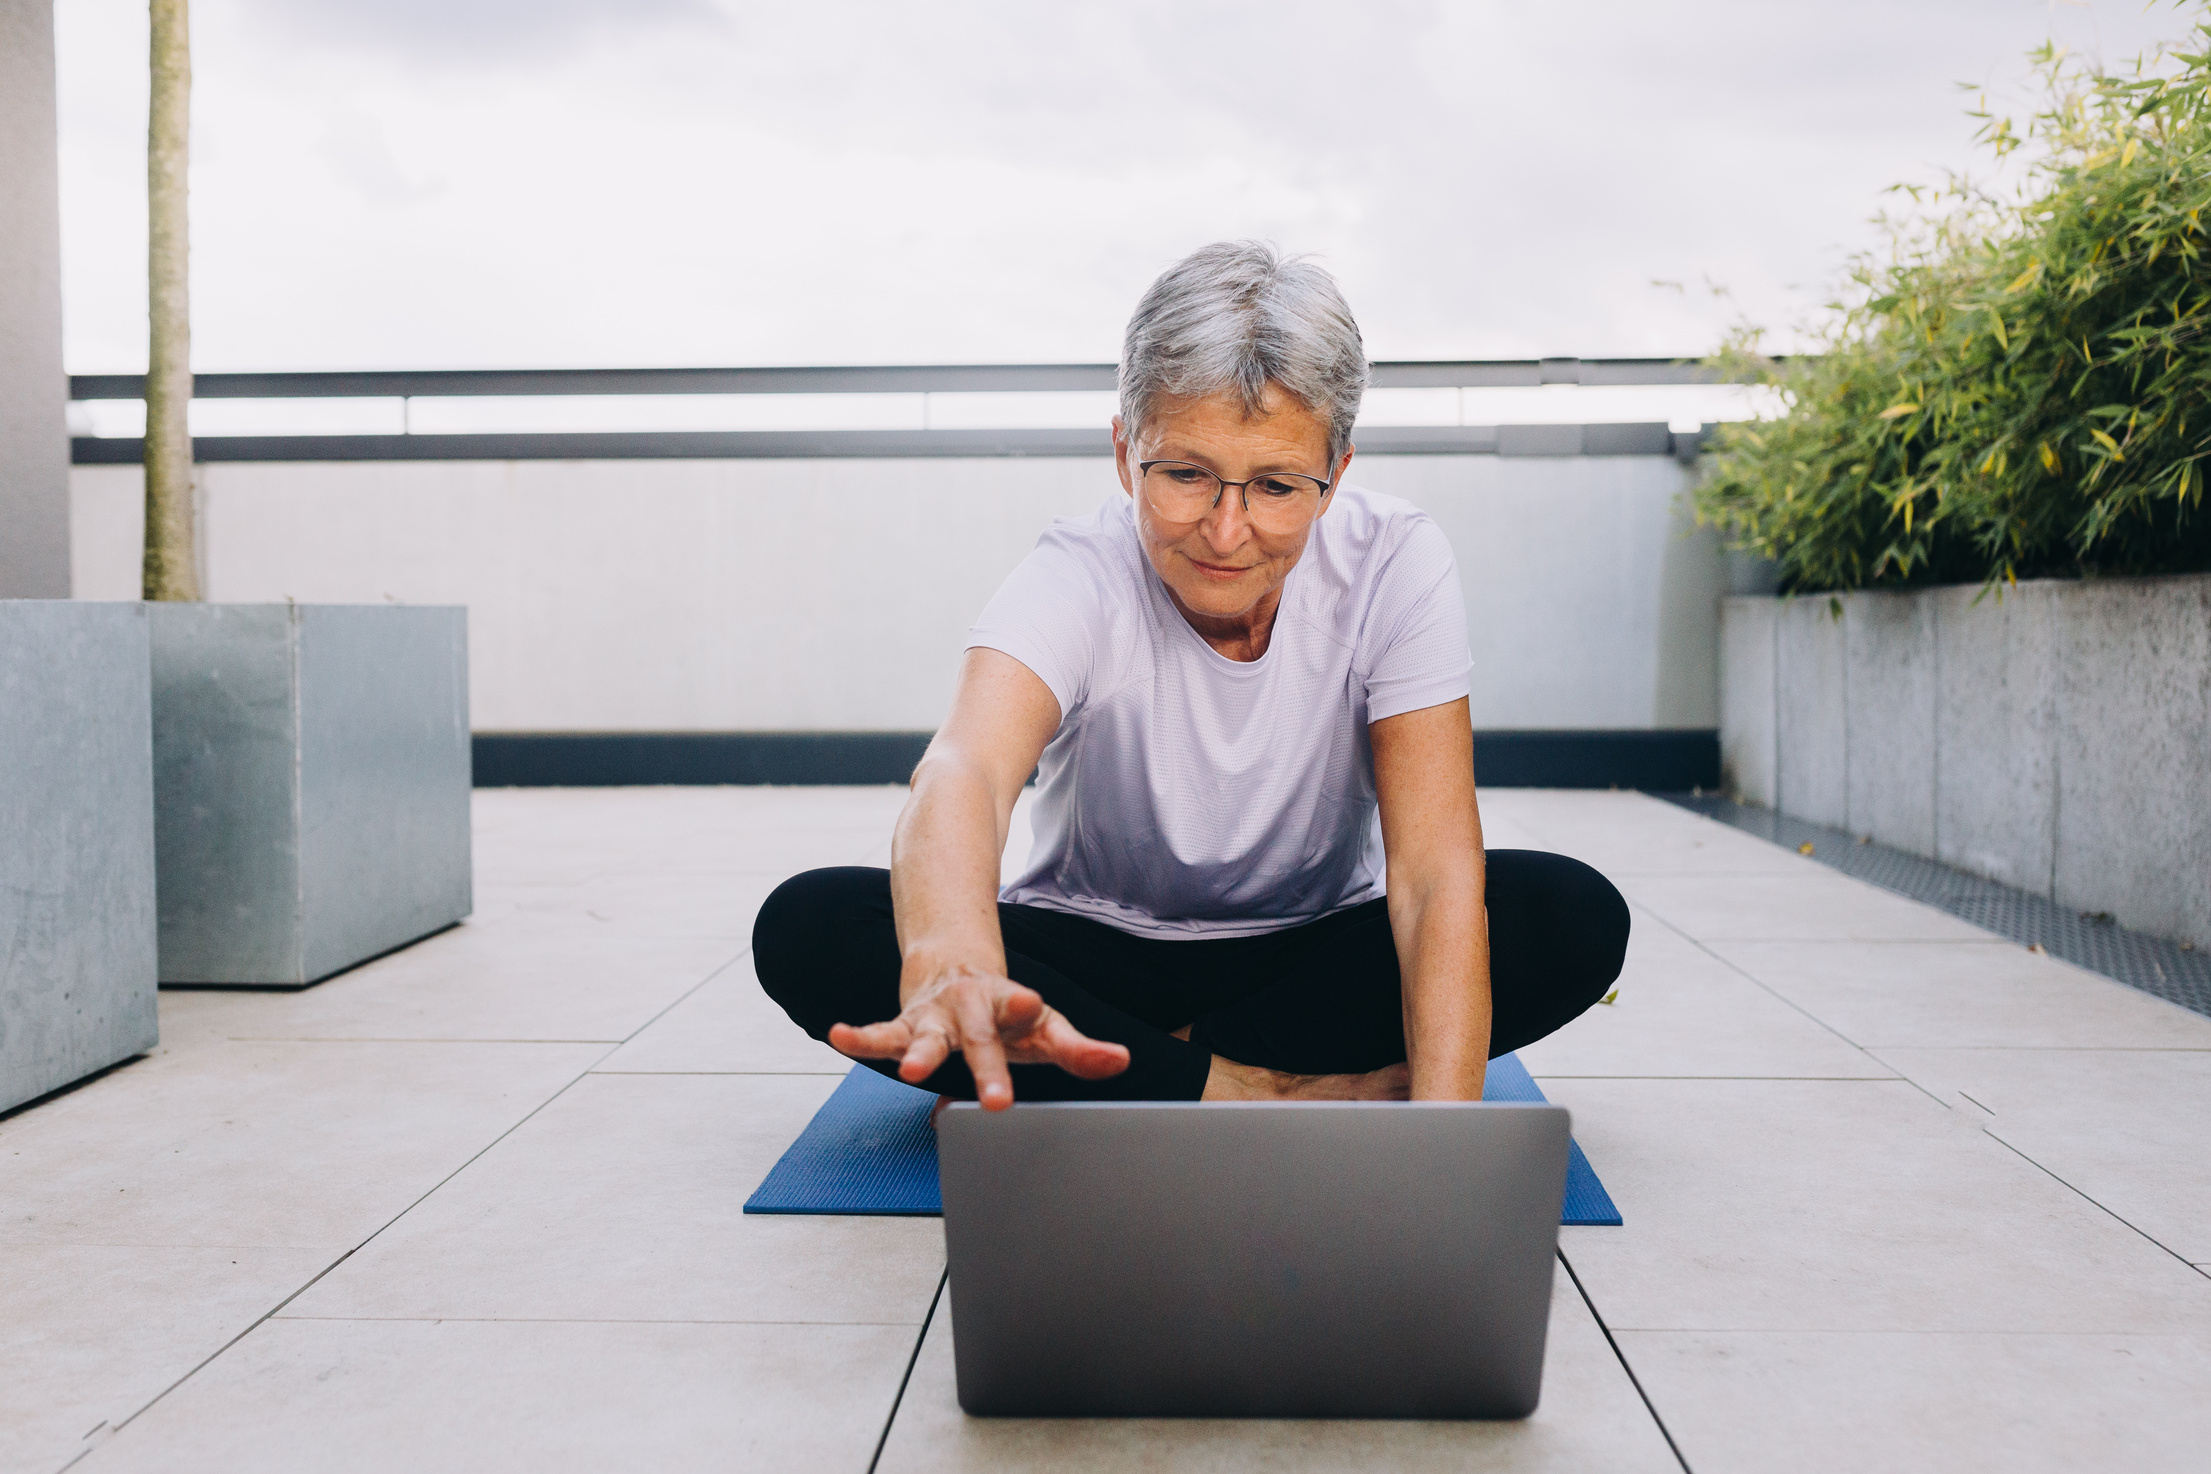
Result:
x=869 y=1151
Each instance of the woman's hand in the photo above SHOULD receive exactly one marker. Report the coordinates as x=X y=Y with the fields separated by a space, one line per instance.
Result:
x=990 y=1019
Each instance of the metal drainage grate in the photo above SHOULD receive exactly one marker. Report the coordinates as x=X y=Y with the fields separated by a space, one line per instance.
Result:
x=2152 y=964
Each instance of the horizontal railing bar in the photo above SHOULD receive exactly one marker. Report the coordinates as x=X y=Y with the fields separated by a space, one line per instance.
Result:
x=1507 y=440
x=891 y=379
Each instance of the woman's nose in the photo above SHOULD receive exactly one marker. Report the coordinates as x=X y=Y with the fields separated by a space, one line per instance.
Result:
x=1228 y=524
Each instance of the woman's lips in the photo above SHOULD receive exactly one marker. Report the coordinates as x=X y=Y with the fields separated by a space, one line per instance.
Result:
x=1218 y=570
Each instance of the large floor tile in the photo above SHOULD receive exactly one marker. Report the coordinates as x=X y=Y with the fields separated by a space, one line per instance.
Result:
x=573 y=836
x=266 y=1144
x=638 y=903
x=1846 y=1205
x=1680 y=1011
x=645 y=814
x=1992 y=994
x=1806 y=907
x=623 y=1200
x=728 y=1026
x=1626 y=834
x=1550 y=806
x=568 y=977
x=89 y=1335
x=1590 y=1419
x=2125 y=1127
x=1742 y=1402
x=685 y=858
x=327 y=1397
x=1504 y=834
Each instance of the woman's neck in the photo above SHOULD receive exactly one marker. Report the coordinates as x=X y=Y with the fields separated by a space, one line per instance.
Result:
x=1239 y=637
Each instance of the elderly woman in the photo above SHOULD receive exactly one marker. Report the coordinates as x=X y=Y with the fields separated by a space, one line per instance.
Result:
x=1258 y=871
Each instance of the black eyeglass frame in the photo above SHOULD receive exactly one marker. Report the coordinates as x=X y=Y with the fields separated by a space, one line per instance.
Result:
x=1144 y=468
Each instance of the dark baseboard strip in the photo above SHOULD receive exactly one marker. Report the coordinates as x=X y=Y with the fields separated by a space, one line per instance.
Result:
x=2153 y=964
x=1597 y=759
x=1650 y=760
x=630 y=759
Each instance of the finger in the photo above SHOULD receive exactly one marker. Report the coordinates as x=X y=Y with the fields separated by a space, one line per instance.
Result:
x=986 y=1053
x=1077 y=1053
x=887 y=1040
x=932 y=1046
x=1020 y=1011
x=1037 y=1033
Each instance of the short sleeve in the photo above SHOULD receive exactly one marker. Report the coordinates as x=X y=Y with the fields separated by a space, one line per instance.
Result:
x=1046 y=615
x=1419 y=655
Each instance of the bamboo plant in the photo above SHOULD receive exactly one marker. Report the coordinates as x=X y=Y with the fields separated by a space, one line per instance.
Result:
x=2019 y=384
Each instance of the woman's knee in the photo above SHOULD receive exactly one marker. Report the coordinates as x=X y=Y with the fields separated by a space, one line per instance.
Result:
x=1569 y=912
x=820 y=926
x=1604 y=949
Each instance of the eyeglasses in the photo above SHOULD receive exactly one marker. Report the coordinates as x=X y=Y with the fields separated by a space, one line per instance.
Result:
x=1278 y=502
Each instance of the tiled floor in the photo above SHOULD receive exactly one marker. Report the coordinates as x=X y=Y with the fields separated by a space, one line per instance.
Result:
x=1898 y=1196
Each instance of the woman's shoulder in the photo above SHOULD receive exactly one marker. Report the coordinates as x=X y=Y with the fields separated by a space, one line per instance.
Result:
x=1093 y=561
x=1073 y=609
x=1102 y=538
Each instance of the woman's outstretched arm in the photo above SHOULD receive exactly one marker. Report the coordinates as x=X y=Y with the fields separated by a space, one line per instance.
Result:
x=1432 y=831
x=954 y=993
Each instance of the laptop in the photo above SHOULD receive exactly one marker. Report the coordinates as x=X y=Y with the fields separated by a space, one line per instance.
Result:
x=1291 y=1260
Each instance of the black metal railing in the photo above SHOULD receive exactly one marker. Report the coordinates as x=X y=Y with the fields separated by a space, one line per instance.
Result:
x=409 y=385
x=1016 y=378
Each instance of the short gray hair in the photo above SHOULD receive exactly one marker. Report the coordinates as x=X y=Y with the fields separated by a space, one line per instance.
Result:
x=1235 y=317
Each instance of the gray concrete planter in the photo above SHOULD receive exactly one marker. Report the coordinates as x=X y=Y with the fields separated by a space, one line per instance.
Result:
x=311 y=778
x=76 y=843
x=2057 y=739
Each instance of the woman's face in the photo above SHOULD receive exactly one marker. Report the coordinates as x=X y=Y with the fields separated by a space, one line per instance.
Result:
x=1221 y=566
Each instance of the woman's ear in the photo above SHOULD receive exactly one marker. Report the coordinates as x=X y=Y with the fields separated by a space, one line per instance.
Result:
x=1122 y=461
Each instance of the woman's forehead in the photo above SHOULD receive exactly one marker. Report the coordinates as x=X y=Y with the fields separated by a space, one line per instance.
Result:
x=1219 y=424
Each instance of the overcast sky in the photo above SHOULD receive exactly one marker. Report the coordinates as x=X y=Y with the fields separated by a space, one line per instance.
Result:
x=461 y=183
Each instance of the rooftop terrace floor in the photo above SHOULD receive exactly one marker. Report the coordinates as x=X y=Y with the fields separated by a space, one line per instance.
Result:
x=1899 y=1195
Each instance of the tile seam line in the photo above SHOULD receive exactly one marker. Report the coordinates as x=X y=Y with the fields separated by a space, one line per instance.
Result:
x=1980 y=887
x=1791 y=1003
x=573 y=1320
x=725 y=1074
x=1888 y=1079
x=1620 y=1356
x=2188 y=1336
x=898 y=1398
x=272 y=1312
x=397 y=1039
x=2115 y=1217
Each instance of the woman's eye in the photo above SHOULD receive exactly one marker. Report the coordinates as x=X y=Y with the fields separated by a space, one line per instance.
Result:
x=1273 y=487
x=1185 y=475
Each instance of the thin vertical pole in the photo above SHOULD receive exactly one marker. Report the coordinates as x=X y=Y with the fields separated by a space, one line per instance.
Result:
x=171 y=571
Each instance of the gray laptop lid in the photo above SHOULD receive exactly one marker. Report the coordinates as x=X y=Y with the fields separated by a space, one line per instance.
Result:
x=1278 y=1260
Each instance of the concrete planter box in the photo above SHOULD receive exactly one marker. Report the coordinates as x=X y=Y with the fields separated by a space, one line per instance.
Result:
x=311 y=780
x=76 y=843
x=2057 y=739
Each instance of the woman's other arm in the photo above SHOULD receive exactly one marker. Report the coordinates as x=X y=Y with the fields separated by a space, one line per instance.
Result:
x=953 y=988
x=1432 y=831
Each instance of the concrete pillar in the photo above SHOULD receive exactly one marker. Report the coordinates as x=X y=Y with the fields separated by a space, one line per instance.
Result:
x=34 y=394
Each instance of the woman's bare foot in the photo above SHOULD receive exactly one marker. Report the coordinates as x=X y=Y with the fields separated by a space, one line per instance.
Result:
x=1229 y=1080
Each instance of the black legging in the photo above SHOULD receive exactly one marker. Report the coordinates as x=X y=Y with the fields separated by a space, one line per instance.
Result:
x=1317 y=999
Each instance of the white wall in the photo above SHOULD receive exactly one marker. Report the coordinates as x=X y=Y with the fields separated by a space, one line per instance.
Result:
x=34 y=440
x=691 y=595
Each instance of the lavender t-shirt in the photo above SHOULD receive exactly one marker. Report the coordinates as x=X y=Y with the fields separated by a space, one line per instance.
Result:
x=1188 y=795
